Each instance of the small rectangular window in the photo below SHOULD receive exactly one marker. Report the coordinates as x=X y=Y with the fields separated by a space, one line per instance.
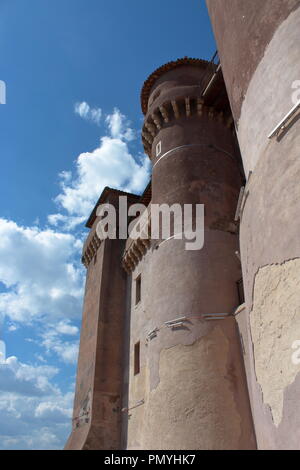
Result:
x=158 y=149
x=240 y=289
x=137 y=358
x=138 y=285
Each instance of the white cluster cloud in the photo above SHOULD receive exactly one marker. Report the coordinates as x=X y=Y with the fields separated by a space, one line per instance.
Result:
x=12 y=327
x=34 y=413
x=65 y=328
x=68 y=222
x=42 y=285
x=52 y=341
x=119 y=126
x=110 y=164
x=23 y=378
x=85 y=111
x=39 y=273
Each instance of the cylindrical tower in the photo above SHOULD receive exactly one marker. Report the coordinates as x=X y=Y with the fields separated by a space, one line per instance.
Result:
x=187 y=382
x=258 y=44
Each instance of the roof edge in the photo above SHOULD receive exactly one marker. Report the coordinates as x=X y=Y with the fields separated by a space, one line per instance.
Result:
x=106 y=191
x=148 y=84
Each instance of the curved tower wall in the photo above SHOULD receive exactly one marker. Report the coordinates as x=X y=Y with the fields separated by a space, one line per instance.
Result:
x=258 y=44
x=190 y=392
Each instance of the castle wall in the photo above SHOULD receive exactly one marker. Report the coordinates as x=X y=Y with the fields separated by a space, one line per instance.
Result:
x=258 y=44
x=192 y=378
x=98 y=395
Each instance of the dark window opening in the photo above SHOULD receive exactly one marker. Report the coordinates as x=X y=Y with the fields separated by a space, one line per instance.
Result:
x=137 y=358
x=138 y=285
x=240 y=289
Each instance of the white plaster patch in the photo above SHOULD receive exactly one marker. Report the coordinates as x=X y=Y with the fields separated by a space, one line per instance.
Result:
x=193 y=406
x=275 y=326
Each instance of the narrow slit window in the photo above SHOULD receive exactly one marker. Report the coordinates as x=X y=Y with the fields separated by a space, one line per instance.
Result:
x=158 y=149
x=138 y=285
x=240 y=289
x=137 y=358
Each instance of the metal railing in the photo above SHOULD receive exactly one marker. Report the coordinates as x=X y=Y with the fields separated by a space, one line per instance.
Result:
x=212 y=68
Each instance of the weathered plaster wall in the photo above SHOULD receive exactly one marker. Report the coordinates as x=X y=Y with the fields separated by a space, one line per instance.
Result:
x=269 y=334
x=183 y=371
x=270 y=234
x=188 y=397
x=258 y=44
x=275 y=326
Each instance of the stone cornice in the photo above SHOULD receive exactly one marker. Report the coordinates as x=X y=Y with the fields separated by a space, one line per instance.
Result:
x=91 y=250
x=136 y=248
x=186 y=106
x=148 y=84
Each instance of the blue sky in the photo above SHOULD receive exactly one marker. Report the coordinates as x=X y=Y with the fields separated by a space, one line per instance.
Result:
x=70 y=126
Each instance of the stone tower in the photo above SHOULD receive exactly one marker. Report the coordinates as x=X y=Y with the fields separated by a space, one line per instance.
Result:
x=191 y=379
x=97 y=406
x=258 y=44
x=160 y=361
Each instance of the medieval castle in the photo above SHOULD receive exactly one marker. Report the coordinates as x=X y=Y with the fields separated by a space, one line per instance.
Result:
x=197 y=349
